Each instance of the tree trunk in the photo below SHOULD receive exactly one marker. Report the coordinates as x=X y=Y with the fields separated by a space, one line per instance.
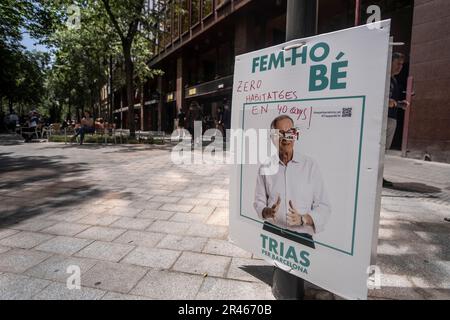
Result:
x=111 y=91
x=10 y=105
x=130 y=88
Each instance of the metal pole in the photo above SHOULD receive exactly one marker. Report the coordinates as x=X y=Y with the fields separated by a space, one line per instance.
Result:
x=301 y=22
x=301 y=19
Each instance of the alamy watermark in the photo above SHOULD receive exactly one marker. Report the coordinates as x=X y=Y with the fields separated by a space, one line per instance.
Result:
x=74 y=280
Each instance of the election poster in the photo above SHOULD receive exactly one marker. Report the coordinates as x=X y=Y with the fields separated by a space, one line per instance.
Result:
x=308 y=139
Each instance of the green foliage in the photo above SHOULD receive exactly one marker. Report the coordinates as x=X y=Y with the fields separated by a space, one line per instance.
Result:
x=22 y=73
x=110 y=30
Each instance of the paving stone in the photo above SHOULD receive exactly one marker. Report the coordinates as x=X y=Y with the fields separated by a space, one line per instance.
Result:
x=182 y=243
x=153 y=258
x=212 y=196
x=194 y=201
x=220 y=217
x=93 y=208
x=157 y=192
x=4 y=249
x=68 y=216
x=221 y=289
x=56 y=267
x=396 y=287
x=101 y=233
x=19 y=260
x=166 y=199
x=19 y=287
x=168 y=285
x=169 y=227
x=59 y=291
x=225 y=248
x=207 y=231
x=63 y=245
x=124 y=211
x=99 y=219
x=106 y=251
x=115 y=277
x=151 y=205
x=202 y=264
x=219 y=203
x=184 y=194
x=176 y=207
x=25 y=240
x=122 y=297
x=7 y=232
x=202 y=210
x=111 y=203
x=34 y=225
x=189 y=217
x=140 y=238
x=66 y=229
x=156 y=214
x=132 y=223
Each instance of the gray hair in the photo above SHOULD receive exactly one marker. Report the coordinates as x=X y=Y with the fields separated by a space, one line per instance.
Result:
x=280 y=118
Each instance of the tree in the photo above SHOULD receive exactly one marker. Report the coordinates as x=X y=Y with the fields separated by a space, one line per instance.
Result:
x=21 y=73
x=109 y=30
x=131 y=20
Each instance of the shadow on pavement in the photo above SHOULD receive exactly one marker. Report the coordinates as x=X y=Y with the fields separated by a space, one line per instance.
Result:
x=262 y=273
x=415 y=188
x=31 y=186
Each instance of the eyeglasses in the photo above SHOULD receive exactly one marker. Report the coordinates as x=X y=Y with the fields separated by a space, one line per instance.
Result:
x=292 y=134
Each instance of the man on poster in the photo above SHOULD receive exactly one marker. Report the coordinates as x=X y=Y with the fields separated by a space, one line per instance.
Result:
x=292 y=201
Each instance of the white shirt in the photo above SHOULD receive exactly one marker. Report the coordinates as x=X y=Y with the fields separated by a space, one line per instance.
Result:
x=300 y=182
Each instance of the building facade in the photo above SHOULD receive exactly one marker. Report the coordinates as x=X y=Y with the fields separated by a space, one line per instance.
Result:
x=198 y=43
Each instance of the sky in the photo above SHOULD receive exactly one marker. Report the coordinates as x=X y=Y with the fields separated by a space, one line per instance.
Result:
x=30 y=43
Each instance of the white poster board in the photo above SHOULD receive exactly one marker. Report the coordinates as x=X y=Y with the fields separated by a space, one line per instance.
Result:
x=333 y=87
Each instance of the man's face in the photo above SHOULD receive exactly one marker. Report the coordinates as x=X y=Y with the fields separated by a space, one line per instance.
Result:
x=397 y=66
x=284 y=126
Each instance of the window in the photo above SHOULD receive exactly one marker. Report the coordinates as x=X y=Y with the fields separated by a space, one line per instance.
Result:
x=176 y=18
x=168 y=25
x=207 y=8
x=219 y=3
x=195 y=12
x=184 y=16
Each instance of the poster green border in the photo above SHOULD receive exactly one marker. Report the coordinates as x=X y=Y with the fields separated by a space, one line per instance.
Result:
x=351 y=253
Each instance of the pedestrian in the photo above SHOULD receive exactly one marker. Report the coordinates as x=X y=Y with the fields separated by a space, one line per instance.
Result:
x=396 y=101
x=31 y=127
x=193 y=116
x=226 y=119
x=13 y=121
x=181 y=123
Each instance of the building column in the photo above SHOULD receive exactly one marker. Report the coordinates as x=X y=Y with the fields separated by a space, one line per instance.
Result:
x=160 y=102
x=243 y=40
x=180 y=85
x=142 y=106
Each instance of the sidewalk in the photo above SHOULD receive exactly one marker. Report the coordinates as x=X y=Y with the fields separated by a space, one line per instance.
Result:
x=414 y=239
x=140 y=227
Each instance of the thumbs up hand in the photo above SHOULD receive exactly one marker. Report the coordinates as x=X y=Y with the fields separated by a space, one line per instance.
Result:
x=270 y=213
